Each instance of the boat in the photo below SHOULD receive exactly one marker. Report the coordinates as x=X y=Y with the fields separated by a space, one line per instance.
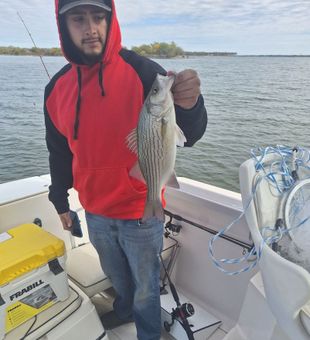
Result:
x=248 y=306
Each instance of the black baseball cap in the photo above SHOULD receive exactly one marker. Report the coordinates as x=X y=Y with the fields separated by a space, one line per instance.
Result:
x=66 y=5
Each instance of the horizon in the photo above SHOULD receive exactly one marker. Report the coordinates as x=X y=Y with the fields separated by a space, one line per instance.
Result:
x=265 y=27
x=233 y=53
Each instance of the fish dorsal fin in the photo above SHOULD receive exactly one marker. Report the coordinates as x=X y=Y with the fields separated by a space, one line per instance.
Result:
x=132 y=141
x=181 y=140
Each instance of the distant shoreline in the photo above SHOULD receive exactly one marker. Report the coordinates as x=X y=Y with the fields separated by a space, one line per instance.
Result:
x=56 y=52
x=276 y=55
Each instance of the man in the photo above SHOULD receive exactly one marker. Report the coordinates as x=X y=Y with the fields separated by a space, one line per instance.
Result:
x=91 y=106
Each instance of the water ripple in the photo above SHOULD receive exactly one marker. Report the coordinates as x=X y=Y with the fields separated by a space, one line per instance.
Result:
x=251 y=102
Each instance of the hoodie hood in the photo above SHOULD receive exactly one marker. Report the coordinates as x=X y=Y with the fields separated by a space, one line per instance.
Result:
x=72 y=54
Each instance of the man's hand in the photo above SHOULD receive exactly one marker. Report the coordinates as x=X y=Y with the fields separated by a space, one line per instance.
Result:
x=66 y=221
x=186 y=88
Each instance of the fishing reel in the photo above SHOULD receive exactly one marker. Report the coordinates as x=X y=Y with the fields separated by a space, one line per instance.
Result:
x=182 y=312
x=172 y=228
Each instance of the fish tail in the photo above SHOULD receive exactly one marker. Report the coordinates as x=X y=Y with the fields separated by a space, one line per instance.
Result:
x=153 y=209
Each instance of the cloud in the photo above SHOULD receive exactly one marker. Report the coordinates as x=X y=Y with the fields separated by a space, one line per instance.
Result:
x=39 y=18
x=216 y=23
x=248 y=26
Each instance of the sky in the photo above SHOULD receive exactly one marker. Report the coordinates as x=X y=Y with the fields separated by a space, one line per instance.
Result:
x=242 y=26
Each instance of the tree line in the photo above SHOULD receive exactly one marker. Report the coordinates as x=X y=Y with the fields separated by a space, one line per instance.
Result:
x=156 y=50
x=159 y=49
x=12 y=50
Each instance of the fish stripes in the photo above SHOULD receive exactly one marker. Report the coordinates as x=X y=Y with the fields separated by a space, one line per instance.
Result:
x=155 y=141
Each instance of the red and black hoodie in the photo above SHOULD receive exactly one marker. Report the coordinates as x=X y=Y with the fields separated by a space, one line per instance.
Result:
x=89 y=112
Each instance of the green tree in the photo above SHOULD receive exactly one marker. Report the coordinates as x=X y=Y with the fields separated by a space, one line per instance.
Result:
x=160 y=49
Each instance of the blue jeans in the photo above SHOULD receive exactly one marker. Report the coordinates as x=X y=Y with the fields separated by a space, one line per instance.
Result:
x=129 y=256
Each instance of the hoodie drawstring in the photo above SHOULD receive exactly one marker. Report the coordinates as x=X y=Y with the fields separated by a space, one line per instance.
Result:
x=78 y=102
x=101 y=79
x=78 y=105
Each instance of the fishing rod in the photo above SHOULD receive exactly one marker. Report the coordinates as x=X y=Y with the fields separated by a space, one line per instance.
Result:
x=34 y=44
x=182 y=312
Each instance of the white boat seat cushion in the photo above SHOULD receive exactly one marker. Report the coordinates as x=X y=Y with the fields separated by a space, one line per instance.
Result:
x=83 y=267
x=305 y=317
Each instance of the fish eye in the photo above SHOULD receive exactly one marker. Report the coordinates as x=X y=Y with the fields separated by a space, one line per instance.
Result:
x=155 y=90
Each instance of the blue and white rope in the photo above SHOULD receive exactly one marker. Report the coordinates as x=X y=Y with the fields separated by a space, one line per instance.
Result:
x=298 y=157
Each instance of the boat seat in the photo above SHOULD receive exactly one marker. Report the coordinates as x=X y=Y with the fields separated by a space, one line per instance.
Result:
x=305 y=317
x=83 y=267
x=286 y=284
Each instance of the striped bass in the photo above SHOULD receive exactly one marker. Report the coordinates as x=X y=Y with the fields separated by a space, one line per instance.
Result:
x=155 y=141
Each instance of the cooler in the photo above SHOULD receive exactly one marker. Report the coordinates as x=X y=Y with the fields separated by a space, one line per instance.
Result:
x=32 y=276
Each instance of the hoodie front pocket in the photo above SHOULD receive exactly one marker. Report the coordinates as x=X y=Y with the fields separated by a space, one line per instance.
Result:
x=109 y=191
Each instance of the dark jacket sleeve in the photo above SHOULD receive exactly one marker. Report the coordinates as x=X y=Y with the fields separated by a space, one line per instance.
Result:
x=192 y=122
x=60 y=161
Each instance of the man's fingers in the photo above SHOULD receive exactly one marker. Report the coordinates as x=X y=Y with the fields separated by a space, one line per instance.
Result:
x=186 y=104
x=186 y=94
x=189 y=83
x=186 y=89
x=66 y=221
x=186 y=75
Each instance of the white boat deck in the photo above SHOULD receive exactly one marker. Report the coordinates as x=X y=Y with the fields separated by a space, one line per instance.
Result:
x=128 y=332
x=103 y=303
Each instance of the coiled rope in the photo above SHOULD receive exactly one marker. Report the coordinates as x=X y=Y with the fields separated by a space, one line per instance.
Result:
x=286 y=166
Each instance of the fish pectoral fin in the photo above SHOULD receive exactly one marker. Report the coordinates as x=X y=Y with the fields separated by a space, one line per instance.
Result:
x=132 y=141
x=181 y=139
x=135 y=172
x=164 y=120
x=173 y=181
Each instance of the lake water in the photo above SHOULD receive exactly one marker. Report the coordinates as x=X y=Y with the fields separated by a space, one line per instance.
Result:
x=251 y=102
